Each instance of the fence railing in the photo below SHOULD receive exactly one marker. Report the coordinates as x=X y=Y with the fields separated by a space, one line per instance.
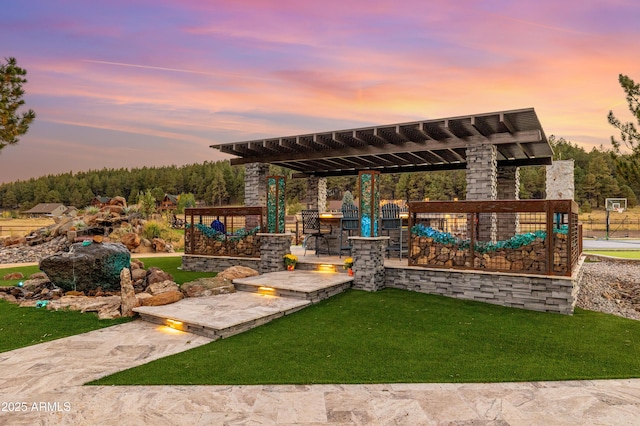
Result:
x=224 y=231
x=528 y=236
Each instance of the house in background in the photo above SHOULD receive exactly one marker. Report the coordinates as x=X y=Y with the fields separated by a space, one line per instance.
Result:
x=47 y=209
x=169 y=202
x=99 y=201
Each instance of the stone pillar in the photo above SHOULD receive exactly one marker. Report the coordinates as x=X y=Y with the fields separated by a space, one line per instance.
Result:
x=368 y=262
x=560 y=184
x=317 y=193
x=273 y=247
x=508 y=189
x=255 y=184
x=508 y=183
x=482 y=172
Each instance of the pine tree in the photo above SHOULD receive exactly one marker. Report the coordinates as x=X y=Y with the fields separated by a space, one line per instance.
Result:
x=12 y=123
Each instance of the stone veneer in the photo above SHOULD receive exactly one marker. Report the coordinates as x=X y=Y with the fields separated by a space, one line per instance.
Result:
x=317 y=193
x=255 y=184
x=368 y=262
x=217 y=263
x=560 y=184
x=272 y=250
x=532 y=292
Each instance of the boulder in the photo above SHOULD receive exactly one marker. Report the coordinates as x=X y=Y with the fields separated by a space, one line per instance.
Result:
x=13 y=276
x=38 y=276
x=118 y=201
x=14 y=240
x=8 y=297
x=156 y=275
x=162 y=299
x=162 y=287
x=128 y=295
x=159 y=245
x=138 y=274
x=36 y=285
x=237 y=272
x=86 y=267
x=131 y=240
x=207 y=287
x=106 y=307
x=142 y=296
x=137 y=264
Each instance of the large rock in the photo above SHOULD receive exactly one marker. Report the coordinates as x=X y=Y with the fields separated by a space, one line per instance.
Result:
x=129 y=300
x=162 y=287
x=162 y=299
x=131 y=240
x=106 y=307
x=87 y=267
x=13 y=276
x=238 y=272
x=207 y=287
x=157 y=275
x=159 y=245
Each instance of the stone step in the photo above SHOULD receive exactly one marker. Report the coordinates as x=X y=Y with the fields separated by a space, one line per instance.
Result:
x=223 y=315
x=299 y=284
x=259 y=299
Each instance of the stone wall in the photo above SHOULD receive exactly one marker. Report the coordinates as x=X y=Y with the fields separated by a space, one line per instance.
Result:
x=317 y=193
x=216 y=263
x=255 y=184
x=248 y=246
x=560 y=183
x=368 y=262
x=533 y=292
x=272 y=251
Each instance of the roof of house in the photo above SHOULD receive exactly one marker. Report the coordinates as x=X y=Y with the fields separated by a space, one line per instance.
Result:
x=45 y=208
x=172 y=198
x=434 y=144
x=101 y=199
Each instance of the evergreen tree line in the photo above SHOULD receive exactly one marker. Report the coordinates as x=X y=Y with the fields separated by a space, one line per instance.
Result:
x=597 y=176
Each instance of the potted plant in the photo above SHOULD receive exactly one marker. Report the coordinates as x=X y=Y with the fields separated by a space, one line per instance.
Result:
x=348 y=265
x=290 y=261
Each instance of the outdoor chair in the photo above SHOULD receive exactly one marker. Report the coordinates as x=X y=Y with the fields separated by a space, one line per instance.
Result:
x=349 y=224
x=311 y=228
x=391 y=222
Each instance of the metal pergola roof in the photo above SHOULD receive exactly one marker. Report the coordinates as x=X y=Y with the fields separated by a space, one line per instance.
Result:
x=438 y=144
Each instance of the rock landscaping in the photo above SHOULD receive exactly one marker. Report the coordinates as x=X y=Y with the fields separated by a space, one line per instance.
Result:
x=112 y=223
x=137 y=287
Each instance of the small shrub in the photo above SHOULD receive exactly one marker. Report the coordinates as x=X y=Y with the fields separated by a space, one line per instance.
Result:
x=92 y=210
x=153 y=229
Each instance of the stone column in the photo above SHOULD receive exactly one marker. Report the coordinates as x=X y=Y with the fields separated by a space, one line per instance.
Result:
x=317 y=193
x=560 y=184
x=255 y=184
x=273 y=247
x=368 y=262
x=482 y=172
x=508 y=189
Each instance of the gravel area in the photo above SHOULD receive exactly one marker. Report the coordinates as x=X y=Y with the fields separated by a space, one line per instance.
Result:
x=611 y=286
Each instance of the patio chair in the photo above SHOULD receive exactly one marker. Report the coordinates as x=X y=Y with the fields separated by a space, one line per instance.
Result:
x=390 y=221
x=349 y=223
x=312 y=228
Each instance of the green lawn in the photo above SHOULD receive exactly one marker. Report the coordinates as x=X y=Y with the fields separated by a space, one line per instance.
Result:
x=396 y=336
x=21 y=327
x=625 y=254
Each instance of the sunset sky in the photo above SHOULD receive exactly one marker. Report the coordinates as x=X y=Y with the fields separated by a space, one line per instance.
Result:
x=155 y=82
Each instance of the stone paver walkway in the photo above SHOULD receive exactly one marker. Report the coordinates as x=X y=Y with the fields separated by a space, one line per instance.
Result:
x=48 y=379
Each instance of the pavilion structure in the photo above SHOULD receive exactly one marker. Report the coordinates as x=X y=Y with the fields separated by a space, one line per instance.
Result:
x=490 y=147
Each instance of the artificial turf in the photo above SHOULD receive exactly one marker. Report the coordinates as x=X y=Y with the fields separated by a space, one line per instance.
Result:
x=395 y=336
